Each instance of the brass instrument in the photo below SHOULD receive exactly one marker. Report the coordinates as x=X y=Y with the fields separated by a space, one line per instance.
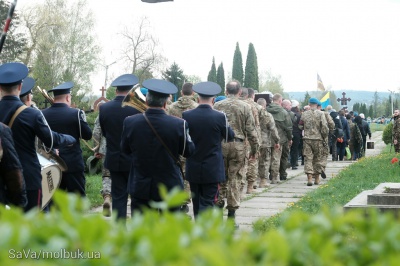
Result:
x=51 y=101
x=45 y=95
x=135 y=99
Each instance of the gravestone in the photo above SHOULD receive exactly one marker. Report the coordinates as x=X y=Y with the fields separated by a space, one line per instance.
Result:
x=385 y=197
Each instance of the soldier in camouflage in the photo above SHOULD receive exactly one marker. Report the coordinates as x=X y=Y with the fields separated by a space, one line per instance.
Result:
x=283 y=123
x=251 y=166
x=396 y=130
x=331 y=126
x=316 y=131
x=100 y=153
x=269 y=141
x=240 y=118
x=184 y=103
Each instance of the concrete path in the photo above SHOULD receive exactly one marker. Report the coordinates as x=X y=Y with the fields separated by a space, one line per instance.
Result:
x=269 y=201
x=266 y=202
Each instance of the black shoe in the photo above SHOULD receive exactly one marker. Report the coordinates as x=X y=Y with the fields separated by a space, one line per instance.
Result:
x=231 y=216
x=184 y=208
x=323 y=175
x=294 y=168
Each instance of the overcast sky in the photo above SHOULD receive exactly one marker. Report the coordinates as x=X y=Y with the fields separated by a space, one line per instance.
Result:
x=353 y=45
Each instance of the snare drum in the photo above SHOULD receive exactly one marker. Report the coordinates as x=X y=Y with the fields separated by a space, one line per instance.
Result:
x=51 y=178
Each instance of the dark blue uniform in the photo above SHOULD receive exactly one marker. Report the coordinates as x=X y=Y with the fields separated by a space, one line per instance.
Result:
x=12 y=184
x=205 y=168
x=71 y=121
x=111 y=117
x=29 y=124
x=151 y=164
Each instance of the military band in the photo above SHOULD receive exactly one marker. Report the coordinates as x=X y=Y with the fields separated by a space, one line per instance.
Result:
x=227 y=142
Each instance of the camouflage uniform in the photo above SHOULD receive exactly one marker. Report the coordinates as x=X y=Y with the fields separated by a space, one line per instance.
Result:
x=101 y=148
x=331 y=126
x=396 y=133
x=356 y=140
x=269 y=137
x=280 y=156
x=316 y=132
x=184 y=103
x=252 y=165
x=241 y=121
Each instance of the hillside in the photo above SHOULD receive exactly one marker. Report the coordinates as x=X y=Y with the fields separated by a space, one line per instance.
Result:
x=355 y=96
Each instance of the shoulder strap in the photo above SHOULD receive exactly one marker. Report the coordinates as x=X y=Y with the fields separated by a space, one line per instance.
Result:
x=19 y=110
x=177 y=161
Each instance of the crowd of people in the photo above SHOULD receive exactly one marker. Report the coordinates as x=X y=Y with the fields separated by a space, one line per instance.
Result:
x=214 y=148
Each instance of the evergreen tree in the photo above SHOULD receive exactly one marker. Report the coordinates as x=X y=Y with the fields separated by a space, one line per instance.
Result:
x=221 y=78
x=237 y=67
x=174 y=74
x=251 y=71
x=15 y=43
x=376 y=102
x=306 y=99
x=212 y=75
x=371 y=111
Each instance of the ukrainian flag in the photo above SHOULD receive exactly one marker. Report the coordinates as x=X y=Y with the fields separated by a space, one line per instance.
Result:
x=325 y=100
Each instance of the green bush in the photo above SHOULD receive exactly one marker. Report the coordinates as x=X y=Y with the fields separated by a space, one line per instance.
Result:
x=387 y=133
x=328 y=238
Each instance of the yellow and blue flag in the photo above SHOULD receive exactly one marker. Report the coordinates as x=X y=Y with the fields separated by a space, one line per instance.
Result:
x=325 y=100
x=320 y=85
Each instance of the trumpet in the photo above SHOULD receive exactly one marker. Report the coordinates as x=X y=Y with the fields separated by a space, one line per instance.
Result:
x=135 y=99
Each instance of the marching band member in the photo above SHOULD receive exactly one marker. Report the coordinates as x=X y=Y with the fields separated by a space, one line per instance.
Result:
x=26 y=123
x=64 y=119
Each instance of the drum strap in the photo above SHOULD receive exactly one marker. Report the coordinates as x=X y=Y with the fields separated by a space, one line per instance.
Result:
x=19 y=110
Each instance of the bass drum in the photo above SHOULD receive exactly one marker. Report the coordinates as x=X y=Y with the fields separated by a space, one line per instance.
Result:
x=51 y=179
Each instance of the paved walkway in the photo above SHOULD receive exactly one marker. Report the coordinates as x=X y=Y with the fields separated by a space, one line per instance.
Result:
x=269 y=201
x=266 y=202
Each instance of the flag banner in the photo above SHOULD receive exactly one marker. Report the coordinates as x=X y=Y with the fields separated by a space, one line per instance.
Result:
x=325 y=100
x=320 y=85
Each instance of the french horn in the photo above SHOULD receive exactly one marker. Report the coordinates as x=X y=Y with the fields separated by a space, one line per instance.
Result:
x=135 y=99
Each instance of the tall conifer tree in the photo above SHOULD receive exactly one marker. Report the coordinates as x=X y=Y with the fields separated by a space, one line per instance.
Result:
x=237 y=67
x=251 y=71
x=221 y=77
x=212 y=75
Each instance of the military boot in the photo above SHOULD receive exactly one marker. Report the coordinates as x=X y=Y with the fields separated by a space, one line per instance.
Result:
x=309 y=181
x=316 y=181
x=107 y=205
x=263 y=183
x=231 y=215
x=249 y=187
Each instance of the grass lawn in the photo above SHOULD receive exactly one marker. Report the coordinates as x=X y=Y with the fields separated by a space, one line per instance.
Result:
x=366 y=174
x=93 y=187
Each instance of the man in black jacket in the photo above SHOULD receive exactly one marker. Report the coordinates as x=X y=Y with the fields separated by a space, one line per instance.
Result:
x=364 y=132
x=112 y=116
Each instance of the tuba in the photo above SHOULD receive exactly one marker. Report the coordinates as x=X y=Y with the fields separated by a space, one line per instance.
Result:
x=135 y=99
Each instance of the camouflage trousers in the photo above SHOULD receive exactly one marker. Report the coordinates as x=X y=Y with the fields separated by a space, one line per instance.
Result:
x=234 y=160
x=264 y=162
x=186 y=186
x=314 y=156
x=325 y=152
x=284 y=160
x=275 y=163
x=251 y=166
x=106 y=190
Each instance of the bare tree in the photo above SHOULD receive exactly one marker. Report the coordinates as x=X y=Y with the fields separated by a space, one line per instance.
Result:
x=140 y=49
x=62 y=46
